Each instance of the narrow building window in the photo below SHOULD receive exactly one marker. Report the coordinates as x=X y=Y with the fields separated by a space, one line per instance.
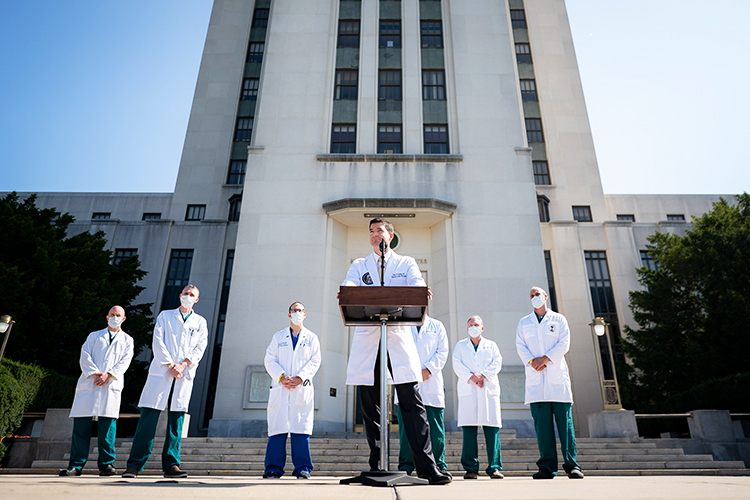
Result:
x=255 y=52
x=237 y=169
x=390 y=34
x=436 y=139
x=260 y=18
x=523 y=53
x=244 y=129
x=349 y=34
x=603 y=301
x=534 y=130
x=432 y=34
x=542 y=204
x=433 y=85
x=195 y=212
x=250 y=89
x=541 y=173
x=389 y=87
x=582 y=213
x=235 y=206
x=528 y=90
x=648 y=261
x=178 y=277
x=518 y=19
x=346 y=85
x=343 y=139
x=550 y=281
x=389 y=139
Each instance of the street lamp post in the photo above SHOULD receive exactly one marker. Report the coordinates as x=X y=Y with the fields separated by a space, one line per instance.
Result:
x=6 y=323
x=610 y=388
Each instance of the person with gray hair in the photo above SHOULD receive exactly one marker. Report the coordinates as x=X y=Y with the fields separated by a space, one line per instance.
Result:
x=542 y=339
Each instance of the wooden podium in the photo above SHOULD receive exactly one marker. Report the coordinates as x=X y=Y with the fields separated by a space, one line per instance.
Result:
x=384 y=306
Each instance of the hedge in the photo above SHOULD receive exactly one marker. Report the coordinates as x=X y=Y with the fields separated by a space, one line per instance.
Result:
x=19 y=384
x=727 y=393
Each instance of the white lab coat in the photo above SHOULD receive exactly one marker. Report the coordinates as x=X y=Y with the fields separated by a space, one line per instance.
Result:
x=399 y=271
x=98 y=355
x=549 y=338
x=292 y=410
x=478 y=405
x=173 y=341
x=432 y=345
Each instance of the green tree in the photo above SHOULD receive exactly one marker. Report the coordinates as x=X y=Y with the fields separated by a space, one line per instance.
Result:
x=59 y=289
x=692 y=313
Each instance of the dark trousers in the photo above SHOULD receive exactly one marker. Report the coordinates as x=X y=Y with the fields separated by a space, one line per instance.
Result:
x=276 y=454
x=414 y=422
x=437 y=439
x=470 y=449
x=562 y=413
x=79 y=445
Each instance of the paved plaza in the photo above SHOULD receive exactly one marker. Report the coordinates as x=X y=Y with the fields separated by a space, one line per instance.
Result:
x=28 y=486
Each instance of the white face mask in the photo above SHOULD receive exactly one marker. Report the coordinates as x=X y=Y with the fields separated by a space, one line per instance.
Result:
x=298 y=317
x=114 y=321
x=187 y=301
x=475 y=331
x=537 y=302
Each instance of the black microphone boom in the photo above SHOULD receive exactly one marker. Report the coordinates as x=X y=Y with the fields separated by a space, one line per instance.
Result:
x=383 y=246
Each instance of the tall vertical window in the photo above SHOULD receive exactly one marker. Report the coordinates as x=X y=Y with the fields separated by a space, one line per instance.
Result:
x=255 y=52
x=550 y=281
x=432 y=34
x=534 y=130
x=436 y=139
x=390 y=34
x=250 y=89
x=237 y=169
x=235 y=206
x=346 y=85
x=260 y=18
x=433 y=85
x=518 y=19
x=648 y=261
x=244 y=129
x=195 y=212
x=389 y=84
x=582 y=213
x=389 y=139
x=542 y=204
x=528 y=90
x=603 y=301
x=626 y=217
x=343 y=139
x=178 y=277
x=213 y=368
x=541 y=173
x=349 y=34
x=122 y=254
x=523 y=53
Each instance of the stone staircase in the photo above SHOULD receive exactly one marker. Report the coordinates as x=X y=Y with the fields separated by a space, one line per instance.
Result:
x=345 y=454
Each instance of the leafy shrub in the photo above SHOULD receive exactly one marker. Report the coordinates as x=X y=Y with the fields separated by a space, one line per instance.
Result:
x=19 y=384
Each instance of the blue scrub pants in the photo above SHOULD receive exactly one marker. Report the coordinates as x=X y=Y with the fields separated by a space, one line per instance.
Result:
x=276 y=454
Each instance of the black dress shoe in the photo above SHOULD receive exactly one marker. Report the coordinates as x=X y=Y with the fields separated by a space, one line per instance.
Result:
x=130 y=473
x=175 y=472
x=436 y=477
x=271 y=475
x=445 y=471
x=70 y=471
x=107 y=470
x=575 y=473
x=543 y=474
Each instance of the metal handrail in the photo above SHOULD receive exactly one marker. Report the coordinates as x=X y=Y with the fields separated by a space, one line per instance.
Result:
x=663 y=415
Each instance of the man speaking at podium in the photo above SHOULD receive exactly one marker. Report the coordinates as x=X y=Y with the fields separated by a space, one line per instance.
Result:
x=403 y=358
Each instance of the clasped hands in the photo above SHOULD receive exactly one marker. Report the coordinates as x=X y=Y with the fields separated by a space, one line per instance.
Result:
x=540 y=363
x=290 y=382
x=176 y=370
x=101 y=378
x=478 y=379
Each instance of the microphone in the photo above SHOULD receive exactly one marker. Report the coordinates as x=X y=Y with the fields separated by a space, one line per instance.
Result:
x=383 y=246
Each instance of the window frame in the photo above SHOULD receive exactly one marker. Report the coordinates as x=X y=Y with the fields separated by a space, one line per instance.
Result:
x=256 y=56
x=429 y=145
x=248 y=92
x=260 y=21
x=430 y=88
x=386 y=87
x=352 y=148
x=626 y=217
x=347 y=39
x=428 y=39
x=237 y=174
x=389 y=30
x=149 y=216
x=340 y=86
x=542 y=205
x=523 y=53
x=528 y=94
x=101 y=215
x=515 y=22
x=582 y=213
x=676 y=217
x=541 y=174
x=241 y=132
x=201 y=213
x=534 y=134
x=383 y=138
x=121 y=254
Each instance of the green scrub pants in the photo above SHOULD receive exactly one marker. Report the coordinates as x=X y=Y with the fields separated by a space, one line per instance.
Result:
x=81 y=441
x=143 y=441
x=437 y=438
x=470 y=449
x=543 y=414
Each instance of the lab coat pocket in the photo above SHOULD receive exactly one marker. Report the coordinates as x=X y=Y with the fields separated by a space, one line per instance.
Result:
x=305 y=395
x=275 y=396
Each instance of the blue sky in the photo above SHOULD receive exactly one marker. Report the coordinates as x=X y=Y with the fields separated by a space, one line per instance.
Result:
x=95 y=95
